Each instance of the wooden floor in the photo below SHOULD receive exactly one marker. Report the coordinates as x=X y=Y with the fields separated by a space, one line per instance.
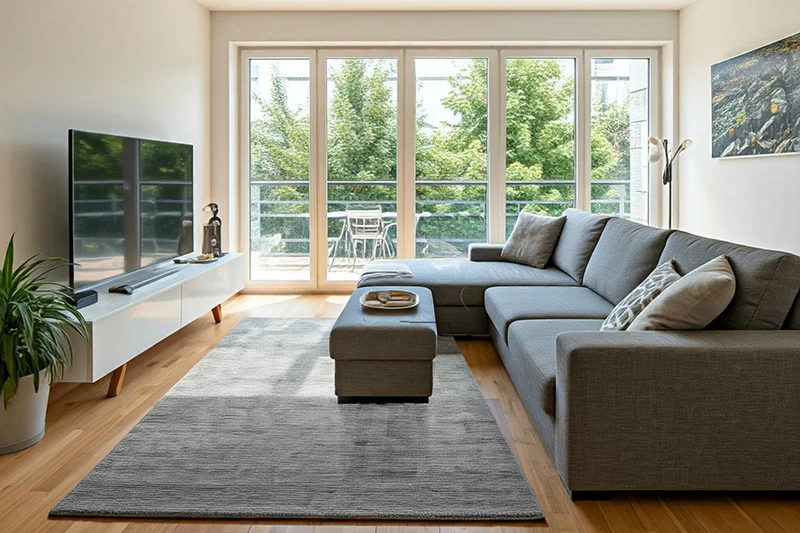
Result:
x=83 y=426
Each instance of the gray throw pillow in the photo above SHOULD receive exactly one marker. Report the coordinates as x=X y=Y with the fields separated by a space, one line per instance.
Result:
x=533 y=240
x=692 y=302
x=626 y=311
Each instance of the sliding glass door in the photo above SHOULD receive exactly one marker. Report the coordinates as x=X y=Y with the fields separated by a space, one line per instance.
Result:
x=361 y=166
x=278 y=160
x=354 y=155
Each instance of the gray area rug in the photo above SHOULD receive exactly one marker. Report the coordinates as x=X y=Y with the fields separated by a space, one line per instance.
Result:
x=254 y=431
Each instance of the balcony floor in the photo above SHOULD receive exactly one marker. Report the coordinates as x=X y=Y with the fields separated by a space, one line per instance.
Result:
x=297 y=268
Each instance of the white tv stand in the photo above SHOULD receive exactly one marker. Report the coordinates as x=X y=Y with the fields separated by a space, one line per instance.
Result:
x=122 y=326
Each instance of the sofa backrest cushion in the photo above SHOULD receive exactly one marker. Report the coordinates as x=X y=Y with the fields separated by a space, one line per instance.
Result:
x=766 y=281
x=577 y=242
x=625 y=255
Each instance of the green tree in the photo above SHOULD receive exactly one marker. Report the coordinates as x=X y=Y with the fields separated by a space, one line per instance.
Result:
x=279 y=140
x=362 y=122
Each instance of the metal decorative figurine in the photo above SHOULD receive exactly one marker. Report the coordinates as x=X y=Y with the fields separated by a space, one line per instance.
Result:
x=212 y=232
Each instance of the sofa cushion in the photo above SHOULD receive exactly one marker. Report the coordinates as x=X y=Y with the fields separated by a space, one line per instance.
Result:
x=578 y=240
x=766 y=281
x=534 y=343
x=506 y=305
x=463 y=282
x=533 y=240
x=625 y=255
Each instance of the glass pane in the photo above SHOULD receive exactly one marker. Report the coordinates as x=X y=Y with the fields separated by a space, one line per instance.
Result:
x=548 y=199
x=449 y=217
x=362 y=163
x=540 y=137
x=451 y=155
x=612 y=199
x=620 y=131
x=279 y=169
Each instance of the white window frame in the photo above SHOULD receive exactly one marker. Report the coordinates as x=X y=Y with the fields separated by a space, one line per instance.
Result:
x=406 y=139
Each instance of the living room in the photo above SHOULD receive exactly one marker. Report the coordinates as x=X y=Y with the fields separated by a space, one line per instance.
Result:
x=422 y=265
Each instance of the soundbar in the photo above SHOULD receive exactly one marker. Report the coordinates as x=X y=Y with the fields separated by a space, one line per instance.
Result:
x=130 y=288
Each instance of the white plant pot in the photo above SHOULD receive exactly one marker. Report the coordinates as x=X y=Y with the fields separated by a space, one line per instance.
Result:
x=22 y=423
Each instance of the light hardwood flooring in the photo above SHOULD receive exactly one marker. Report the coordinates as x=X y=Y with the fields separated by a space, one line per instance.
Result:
x=83 y=425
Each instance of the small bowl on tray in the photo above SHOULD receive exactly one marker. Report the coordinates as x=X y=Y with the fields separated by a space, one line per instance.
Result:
x=389 y=300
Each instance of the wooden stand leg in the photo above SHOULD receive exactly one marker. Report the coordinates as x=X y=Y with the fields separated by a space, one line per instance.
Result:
x=217 y=312
x=117 y=377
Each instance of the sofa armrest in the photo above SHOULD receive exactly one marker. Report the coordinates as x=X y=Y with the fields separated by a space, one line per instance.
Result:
x=485 y=252
x=657 y=410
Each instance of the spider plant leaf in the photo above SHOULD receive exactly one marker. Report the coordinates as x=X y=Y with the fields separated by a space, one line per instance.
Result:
x=25 y=269
x=35 y=371
x=26 y=316
x=8 y=263
x=12 y=381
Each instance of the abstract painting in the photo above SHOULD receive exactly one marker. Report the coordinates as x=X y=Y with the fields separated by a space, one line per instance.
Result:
x=755 y=102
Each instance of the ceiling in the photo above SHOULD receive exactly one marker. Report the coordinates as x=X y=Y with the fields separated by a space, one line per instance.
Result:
x=441 y=5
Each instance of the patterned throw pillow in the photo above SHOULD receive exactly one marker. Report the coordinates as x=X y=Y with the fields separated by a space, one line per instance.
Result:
x=634 y=303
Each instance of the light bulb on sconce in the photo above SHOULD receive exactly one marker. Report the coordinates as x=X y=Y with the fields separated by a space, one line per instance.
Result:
x=685 y=145
x=656 y=151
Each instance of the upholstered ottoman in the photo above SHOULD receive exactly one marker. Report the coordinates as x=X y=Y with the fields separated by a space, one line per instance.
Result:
x=384 y=355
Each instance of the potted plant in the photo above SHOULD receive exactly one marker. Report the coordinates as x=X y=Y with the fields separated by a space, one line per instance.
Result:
x=35 y=317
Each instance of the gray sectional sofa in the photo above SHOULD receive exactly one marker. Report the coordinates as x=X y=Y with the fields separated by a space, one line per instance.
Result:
x=717 y=409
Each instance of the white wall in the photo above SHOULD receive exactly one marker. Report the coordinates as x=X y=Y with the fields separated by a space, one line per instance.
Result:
x=752 y=201
x=138 y=68
x=232 y=30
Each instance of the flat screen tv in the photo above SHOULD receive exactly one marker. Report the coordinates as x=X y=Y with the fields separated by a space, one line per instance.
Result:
x=130 y=204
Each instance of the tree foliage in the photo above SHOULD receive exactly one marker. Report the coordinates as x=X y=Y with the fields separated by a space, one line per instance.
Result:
x=279 y=142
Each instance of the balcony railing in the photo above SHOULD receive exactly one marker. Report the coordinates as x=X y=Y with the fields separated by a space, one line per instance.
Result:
x=455 y=244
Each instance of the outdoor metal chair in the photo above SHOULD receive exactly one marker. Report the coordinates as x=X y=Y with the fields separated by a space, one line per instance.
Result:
x=364 y=227
x=387 y=247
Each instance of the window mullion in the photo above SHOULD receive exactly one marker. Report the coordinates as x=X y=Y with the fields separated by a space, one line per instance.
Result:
x=496 y=189
x=583 y=144
x=320 y=181
x=406 y=192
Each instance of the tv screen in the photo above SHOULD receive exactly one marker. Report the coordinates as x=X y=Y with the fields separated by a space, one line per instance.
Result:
x=130 y=204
